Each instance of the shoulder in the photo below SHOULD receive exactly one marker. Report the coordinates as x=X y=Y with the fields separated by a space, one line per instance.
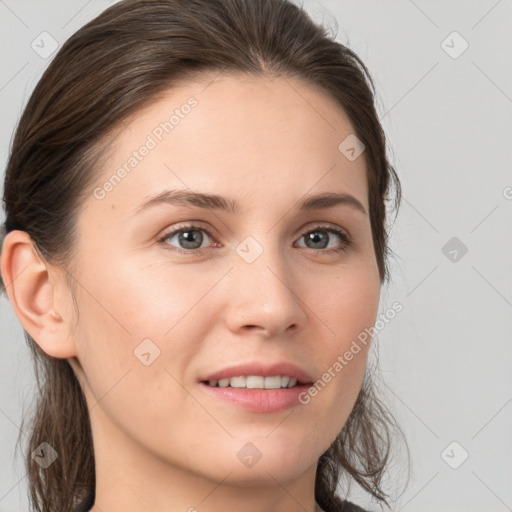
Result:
x=340 y=505
x=351 y=507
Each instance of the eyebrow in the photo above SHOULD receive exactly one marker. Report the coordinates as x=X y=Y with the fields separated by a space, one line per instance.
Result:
x=215 y=202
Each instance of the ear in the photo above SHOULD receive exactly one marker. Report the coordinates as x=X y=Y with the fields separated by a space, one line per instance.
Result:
x=33 y=287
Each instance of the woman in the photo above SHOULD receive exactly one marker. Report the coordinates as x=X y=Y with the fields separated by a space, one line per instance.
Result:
x=195 y=241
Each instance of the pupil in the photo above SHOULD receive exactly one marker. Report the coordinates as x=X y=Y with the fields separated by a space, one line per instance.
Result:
x=315 y=239
x=191 y=237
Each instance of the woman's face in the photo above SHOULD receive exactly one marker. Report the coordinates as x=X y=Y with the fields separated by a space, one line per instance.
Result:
x=266 y=285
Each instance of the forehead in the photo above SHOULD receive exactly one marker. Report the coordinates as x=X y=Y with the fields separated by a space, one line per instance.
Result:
x=244 y=136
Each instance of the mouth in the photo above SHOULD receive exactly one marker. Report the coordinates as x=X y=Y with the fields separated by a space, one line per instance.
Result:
x=259 y=375
x=258 y=387
x=257 y=399
x=256 y=382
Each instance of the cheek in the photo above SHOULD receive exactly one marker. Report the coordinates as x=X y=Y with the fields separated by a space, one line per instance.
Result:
x=132 y=315
x=347 y=309
x=130 y=376
x=161 y=298
x=348 y=305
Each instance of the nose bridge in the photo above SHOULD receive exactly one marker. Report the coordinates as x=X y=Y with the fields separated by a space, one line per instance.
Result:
x=261 y=258
x=263 y=291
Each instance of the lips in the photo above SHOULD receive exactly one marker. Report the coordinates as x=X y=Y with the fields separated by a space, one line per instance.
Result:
x=261 y=369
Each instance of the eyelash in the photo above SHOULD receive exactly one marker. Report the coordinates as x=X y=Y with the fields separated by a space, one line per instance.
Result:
x=347 y=241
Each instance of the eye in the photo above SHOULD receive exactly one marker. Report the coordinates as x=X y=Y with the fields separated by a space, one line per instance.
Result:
x=190 y=237
x=319 y=238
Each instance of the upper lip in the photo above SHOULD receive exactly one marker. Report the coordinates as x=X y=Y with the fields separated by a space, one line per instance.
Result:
x=263 y=369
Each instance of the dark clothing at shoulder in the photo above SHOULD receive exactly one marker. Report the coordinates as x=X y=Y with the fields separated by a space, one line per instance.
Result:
x=351 y=507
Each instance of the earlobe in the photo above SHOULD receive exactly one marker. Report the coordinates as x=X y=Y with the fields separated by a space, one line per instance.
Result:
x=32 y=294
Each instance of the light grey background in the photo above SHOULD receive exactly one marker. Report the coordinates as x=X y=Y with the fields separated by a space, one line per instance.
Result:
x=445 y=360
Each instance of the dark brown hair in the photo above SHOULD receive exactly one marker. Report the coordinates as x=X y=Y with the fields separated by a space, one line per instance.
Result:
x=112 y=67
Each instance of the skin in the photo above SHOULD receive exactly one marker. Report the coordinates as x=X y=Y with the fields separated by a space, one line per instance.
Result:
x=162 y=443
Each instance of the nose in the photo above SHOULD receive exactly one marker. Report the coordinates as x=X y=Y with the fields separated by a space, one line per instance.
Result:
x=264 y=293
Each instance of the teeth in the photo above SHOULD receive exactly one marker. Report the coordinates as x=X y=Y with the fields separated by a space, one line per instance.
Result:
x=255 y=382
x=272 y=382
x=237 y=382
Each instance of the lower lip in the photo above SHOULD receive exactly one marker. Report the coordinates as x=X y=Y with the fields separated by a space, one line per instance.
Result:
x=259 y=400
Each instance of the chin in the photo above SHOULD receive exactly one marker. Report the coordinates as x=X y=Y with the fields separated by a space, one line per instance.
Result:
x=265 y=473
x=263 y=462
